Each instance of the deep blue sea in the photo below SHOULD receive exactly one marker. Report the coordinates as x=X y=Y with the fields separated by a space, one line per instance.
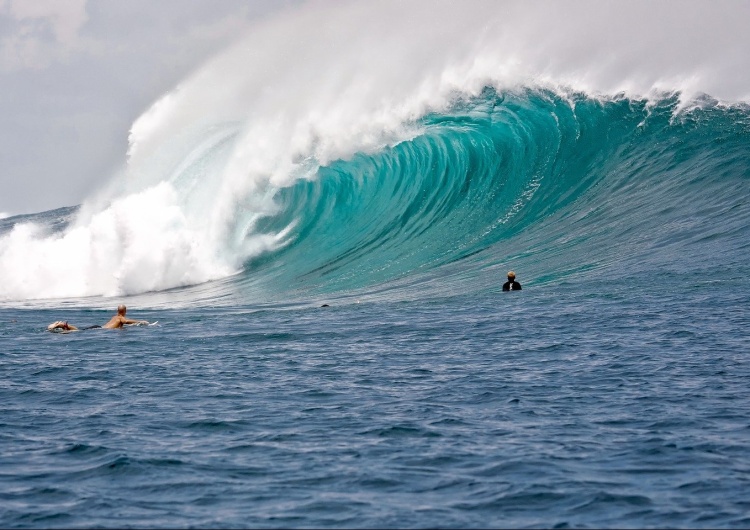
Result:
x=612 y=391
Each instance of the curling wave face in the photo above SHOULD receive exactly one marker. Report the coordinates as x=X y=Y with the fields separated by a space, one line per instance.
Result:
x=555 y=185
x=320 y=169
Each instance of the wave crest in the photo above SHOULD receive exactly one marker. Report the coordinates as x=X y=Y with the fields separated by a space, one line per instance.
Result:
x=406 y=138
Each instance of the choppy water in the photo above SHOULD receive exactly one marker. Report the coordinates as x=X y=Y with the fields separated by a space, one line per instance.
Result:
x=612 y=391
x=583 y=403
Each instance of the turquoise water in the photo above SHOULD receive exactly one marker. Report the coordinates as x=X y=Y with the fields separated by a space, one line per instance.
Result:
x=611 y=391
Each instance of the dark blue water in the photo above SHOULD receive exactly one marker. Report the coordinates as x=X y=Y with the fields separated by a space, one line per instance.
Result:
x=612 y=391
x=577 y=404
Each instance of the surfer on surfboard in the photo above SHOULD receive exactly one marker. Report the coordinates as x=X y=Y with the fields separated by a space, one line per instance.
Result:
x=117 y=321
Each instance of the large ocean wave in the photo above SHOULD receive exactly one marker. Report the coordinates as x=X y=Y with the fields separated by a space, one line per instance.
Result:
x=389 y=162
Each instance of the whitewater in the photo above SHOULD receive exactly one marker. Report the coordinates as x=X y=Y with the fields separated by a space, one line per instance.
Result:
x=207 y=162
x=393 y=161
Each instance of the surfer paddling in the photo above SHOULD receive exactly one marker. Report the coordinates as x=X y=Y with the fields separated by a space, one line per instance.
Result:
x=117 y=321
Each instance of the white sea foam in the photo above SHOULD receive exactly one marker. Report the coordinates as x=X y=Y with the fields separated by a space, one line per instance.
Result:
x=326 y=80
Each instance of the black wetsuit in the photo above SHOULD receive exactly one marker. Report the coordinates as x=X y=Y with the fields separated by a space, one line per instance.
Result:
x=511 y=286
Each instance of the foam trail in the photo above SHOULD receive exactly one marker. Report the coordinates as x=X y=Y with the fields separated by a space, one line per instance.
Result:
x=328 y=80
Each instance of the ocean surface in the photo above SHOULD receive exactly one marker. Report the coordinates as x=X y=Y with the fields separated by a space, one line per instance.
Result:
x=578 y=403
x=333 y=348
x=612 y=391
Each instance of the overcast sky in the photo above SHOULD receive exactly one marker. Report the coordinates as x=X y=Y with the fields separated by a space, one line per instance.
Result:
x=75 y=74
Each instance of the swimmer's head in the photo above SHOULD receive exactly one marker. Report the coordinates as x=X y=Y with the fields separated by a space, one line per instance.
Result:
x=511 y=275
x=121 y=309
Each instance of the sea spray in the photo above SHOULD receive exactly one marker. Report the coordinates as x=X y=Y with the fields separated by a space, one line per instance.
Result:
x=212 y=164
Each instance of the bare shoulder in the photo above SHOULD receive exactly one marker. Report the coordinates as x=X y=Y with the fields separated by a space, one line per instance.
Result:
x=114 y=322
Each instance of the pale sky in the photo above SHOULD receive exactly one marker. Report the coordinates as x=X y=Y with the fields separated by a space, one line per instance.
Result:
x=75 y=74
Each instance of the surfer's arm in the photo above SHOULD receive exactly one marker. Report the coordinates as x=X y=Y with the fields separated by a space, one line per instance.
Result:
x=131 y=321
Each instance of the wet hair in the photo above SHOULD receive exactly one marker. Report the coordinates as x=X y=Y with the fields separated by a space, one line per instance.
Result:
x=121 y=309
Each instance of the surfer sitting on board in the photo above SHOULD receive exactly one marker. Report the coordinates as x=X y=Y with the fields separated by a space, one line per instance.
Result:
x=511 y=284
x=117 y=321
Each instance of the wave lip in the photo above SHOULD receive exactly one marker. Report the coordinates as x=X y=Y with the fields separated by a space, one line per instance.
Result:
x=556 y=184
x=378 y=169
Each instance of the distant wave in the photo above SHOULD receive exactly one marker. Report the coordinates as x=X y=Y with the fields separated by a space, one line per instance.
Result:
x=417 y=151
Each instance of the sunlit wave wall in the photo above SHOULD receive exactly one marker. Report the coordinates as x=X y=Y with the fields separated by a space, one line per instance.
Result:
x=352 y=147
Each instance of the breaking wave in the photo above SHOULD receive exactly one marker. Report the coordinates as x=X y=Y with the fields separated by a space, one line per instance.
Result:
x=412 y=154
